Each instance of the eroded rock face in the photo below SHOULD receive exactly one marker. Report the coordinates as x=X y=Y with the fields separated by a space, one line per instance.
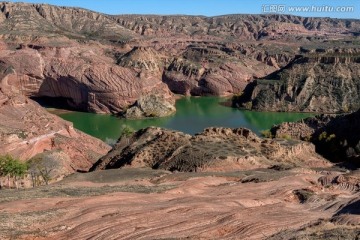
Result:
x=244 y=27
x=81 y=75
x=80 y=23
x=26 y=130
x=326 y=83
x=335 y=137
x=150 y=106
x=303 y=129
x=213 y=70
x=103 y=63
x=215 y=149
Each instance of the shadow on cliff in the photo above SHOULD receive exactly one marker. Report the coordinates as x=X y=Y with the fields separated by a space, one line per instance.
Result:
x=55 y=102
x=339 y=140
x=352 y=208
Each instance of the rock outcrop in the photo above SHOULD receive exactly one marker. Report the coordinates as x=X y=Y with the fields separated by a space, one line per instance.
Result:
x=336 y=137
x=213 y=70
x=215 y=149
x=149 y=106
x=82 y=76
x=26 y=130
x=328 y=83
x=303 y=129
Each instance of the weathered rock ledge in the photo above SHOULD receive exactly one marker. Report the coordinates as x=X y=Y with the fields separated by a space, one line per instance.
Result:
x=335 y=137
x=29 y=131
x=323 y=83
x=215 y=149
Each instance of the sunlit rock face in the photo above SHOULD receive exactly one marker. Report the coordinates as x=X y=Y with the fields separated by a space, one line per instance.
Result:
x=102 y=63
x=26 y=130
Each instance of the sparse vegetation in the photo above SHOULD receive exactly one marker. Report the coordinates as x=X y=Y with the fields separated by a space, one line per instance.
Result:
x=236 y=97
x=12 y=169
x=54 y=191
x=40 y=171
x=285 y=136
x=126 y=131
x=322 y=136
x=346 y=109
x=307 y=138
x=303 y=194
x=248 y=105
x=330 y=137
x=267 y=134
x=325 y=137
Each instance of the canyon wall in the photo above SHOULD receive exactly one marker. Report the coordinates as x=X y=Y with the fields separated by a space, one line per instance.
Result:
x=103 y=63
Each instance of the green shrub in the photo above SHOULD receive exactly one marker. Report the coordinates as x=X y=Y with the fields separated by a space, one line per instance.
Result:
x=322 y=136
x=330 y=137
x=267 y=134
x=126 y=131
x=307 y=138
x=325 y=137
x=345 y=109
x=248 y=105
x=12 y=168
x=236 y=97
x=286 y=136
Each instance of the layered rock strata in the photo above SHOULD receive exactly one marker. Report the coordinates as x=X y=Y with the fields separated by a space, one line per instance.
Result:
x=215 y=149
x=26 y=130
x=101 y=63
x=335 y=137
x=324 y=82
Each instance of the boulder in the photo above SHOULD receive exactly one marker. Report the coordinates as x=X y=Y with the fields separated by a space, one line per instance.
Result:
x=150 y=106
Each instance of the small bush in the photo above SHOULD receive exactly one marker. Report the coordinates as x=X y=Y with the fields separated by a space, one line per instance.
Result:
x=345 y=109
x=267 y=134
x=325 y=137
x=330 y=137
x=286 y=136
x=248 y=105
x=40 y=170
x=307 y=138
x=236 y=97
x=126 y=131
x=303 y=194
x=322 y=136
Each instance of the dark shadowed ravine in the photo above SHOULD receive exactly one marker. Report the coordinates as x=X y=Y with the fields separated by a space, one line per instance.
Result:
x=192 y=116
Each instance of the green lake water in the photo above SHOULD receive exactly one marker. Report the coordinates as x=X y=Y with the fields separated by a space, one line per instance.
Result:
x=192 y=116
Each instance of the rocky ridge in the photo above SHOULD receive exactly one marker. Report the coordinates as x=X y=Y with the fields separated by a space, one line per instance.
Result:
x=102 y=63
x=215 y=149
x=324 y=81
x=335 y=137
x=26 y=130
x=77 y=22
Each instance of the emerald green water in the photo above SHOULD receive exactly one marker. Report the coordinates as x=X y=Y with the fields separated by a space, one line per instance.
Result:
x=192 y=116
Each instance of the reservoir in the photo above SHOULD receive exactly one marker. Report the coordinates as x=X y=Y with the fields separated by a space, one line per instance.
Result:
x=192 y=116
